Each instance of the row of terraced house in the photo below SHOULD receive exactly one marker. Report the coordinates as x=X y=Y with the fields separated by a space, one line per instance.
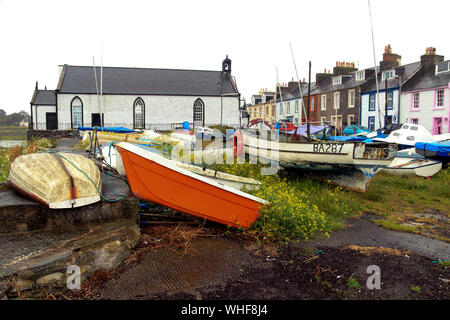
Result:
x=417 y=92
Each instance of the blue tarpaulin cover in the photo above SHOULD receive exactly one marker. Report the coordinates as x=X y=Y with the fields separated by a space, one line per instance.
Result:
x=441 y=148
x=108 y=129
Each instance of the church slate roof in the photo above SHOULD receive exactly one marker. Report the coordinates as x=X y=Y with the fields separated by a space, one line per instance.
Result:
x=44 y=98
x=145 y=81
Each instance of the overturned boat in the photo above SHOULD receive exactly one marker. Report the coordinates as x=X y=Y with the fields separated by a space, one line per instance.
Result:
x=58 y=180
x=409 y=163
x=155 y=178
x=348 y=164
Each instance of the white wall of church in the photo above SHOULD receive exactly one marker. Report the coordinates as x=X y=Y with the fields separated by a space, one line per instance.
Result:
x=160 y=111
x=39 y=116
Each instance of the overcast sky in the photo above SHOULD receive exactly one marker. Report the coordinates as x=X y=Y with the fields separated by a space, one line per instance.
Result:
x=37 y=36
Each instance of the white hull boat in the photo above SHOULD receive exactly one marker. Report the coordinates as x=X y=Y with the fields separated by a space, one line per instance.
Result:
x=351 y=165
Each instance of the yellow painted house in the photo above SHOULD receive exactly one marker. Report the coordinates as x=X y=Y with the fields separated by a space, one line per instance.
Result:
x=263 y=106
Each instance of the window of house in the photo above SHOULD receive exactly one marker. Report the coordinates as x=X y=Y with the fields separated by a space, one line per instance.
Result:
x=440 y=98
x=337 y=98
x=260 y=111
x=337 y=80
x=360 y=75
x=414 y=121
x=387 y=75
x=443 y=67
x=267 y=110
x=416 y=100
x=351 y=98
x=371 y=122
x=288 y=109
x=390 y=100
x=350 y=119
x=281 y=108
x=312 y=104
x=323 y=102
x=372 y=102
x=296 y=106
x=323 y=120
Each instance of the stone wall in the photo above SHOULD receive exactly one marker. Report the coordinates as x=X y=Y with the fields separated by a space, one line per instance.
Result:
x=38 y=244
x=50 y=134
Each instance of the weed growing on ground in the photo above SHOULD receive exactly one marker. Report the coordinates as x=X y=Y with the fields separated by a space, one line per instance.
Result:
x=7 y=156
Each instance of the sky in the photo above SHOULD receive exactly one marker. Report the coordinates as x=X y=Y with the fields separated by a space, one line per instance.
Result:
x=37 y=36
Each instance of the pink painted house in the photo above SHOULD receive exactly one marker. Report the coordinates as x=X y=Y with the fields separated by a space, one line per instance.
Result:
x=425 y=97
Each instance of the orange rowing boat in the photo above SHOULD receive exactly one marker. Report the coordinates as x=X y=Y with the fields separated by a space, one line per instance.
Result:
x=155 y=178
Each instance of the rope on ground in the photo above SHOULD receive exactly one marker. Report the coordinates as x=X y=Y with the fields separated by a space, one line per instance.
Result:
x=122 y=196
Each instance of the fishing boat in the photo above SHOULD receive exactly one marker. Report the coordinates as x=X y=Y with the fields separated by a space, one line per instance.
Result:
x=58 y=180
x=155 y=178
x=348 y=164
x=409 y=163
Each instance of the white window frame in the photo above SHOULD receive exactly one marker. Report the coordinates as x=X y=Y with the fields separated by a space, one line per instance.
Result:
x=350 y=104
x=442 y=98
x=388 y=75
x=296 y=106
x=448 y=67
x=350 y=116
x=323 y=102
x=337 y=80
x=416 y=102
x=336 y=106
x=360 y=75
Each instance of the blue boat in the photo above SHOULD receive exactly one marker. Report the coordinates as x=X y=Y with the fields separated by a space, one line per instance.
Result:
x=108 y=129
x=436 y=150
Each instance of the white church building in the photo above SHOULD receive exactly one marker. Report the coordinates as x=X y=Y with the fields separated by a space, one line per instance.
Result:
x=137 y=98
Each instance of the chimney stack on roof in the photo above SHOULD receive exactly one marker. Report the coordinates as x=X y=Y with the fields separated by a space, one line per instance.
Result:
x=344 y=68
x=390 y=60
x=430 y=57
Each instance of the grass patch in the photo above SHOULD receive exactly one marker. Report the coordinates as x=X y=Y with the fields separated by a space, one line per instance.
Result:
x=353 y=283
x=401 y=200
x=392 y=225
x=81 y=145
x=416 y=289
x=444 y=263
x=7 y=156
x=13 y=137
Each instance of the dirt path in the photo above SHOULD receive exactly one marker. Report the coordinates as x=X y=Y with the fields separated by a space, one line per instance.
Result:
x=233 y=267
x=363 y=232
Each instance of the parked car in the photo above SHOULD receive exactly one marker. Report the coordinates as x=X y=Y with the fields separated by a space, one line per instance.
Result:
x=355 y=129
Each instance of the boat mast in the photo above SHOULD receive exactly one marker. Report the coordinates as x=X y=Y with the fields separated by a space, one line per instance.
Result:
x=309 y=102
x=303 y=111
x=96 y=86
x=281 y=97
x=101 y=87
x=375 y=65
